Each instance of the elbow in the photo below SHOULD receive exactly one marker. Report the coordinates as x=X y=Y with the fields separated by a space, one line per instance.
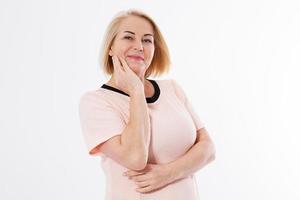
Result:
x=213 y=153
x=137 y=164
x=212 y=158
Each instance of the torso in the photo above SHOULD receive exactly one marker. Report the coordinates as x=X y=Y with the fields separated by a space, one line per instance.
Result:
x=171 y=137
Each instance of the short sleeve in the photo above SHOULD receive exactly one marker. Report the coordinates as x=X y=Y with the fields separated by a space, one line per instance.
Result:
x=182 y=96
x=99 y=120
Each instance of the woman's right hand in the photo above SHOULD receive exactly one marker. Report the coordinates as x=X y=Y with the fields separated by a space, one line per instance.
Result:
x=124 y=77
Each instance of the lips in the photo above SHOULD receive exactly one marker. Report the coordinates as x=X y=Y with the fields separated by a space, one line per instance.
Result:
x=136 y=57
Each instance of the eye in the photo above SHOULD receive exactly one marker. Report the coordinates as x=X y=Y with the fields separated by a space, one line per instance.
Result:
x=148 y=40
x=128 y=37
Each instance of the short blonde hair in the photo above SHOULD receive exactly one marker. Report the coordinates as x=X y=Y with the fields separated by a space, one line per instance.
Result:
x=160 y=63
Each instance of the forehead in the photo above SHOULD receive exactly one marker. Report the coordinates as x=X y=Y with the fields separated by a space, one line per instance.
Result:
x=136 y=24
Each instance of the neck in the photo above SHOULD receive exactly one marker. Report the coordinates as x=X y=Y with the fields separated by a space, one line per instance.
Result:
x=149 y=89
x=113 y=84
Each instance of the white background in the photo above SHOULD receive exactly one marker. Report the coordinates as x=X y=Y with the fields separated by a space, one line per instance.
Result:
x=238 y=61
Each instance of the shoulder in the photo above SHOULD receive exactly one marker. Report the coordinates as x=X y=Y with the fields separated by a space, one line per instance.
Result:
x=165 y=82
x=93 y=98
x=175 y=87
x=170 y=84
x=89 y=95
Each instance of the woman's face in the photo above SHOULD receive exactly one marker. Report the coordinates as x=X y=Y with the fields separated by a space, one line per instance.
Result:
x=135 y=43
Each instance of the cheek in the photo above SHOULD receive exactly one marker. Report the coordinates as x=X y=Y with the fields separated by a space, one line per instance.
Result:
x=150 y=53
x=120 y=49
x=151 y=50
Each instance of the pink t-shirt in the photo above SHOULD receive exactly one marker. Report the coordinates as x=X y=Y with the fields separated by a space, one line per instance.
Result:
x=104 y=113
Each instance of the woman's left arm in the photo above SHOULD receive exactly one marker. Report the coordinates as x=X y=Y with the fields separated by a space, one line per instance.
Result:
x=199 y=155
x=155 y=176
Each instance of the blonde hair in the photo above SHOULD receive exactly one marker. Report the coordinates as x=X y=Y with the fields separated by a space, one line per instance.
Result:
x=161 y=59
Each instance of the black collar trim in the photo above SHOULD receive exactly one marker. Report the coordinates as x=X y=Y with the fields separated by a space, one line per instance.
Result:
x=148 y=99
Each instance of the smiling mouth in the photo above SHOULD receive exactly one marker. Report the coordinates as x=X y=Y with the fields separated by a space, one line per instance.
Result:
x=136 y=58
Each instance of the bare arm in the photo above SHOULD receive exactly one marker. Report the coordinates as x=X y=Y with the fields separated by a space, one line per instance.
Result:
x=130 y=148
x=136 y=137
x=199 y=155
x=160 y=175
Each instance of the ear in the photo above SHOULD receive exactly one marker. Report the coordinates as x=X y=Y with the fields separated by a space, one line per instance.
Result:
x=110 y=52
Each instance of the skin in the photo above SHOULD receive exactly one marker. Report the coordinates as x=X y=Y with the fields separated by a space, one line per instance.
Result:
x=135 y=37
x=156 y=176
x=128 y=76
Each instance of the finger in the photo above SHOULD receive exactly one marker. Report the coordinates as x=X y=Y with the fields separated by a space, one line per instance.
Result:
x=140 y=178
x=144 y=189
x=143 y=184
x=133 y=173
x=116 y=62
x=137 y=172
x=124 y=63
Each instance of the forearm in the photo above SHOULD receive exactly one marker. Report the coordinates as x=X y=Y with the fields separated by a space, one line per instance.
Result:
x=199 y=155
x=137 y=135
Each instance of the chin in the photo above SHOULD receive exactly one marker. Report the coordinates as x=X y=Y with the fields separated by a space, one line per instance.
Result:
x=137 y=69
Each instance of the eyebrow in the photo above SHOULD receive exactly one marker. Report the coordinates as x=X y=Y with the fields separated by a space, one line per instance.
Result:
x=148 y=34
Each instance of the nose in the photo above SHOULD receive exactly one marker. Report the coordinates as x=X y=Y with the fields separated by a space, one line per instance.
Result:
x=138 y=45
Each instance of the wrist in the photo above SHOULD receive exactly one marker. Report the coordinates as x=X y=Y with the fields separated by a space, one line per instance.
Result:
x=137 y=91
x=171 y=169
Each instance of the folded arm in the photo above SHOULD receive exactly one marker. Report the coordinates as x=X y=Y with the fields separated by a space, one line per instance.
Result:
x=199 y=155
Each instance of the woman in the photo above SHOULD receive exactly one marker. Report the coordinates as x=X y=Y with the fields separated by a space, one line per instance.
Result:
x=149 y=137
